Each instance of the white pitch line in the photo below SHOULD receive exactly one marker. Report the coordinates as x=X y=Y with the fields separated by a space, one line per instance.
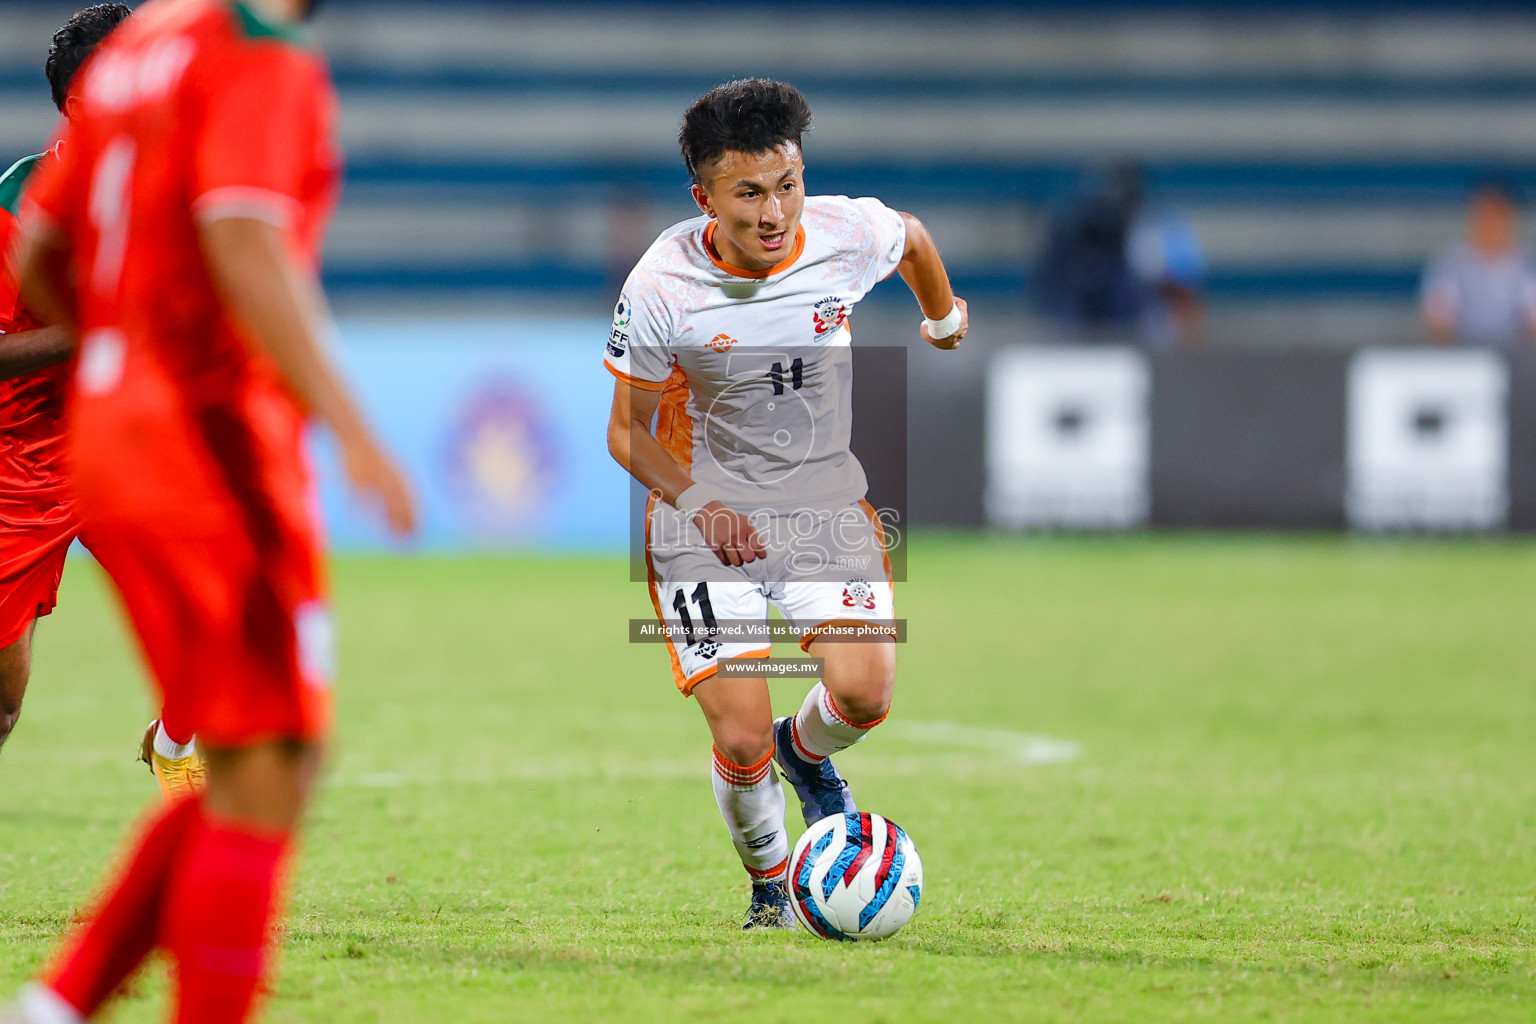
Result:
x=375 y=780
x=1022 y=747
x=1018 y=747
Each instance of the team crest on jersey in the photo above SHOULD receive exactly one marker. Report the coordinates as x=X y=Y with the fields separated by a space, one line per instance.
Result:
x=618 y=337
x=859 y=594
x=829 y=314
x=721 y=342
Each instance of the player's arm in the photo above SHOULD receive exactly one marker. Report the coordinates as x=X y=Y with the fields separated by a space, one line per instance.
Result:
x=23 y=352
x=1437 y=305
x=42 y=271
x=1440 y=320
x=923 y=270
x=283 y=311
x=630 y=441
x=28 y=351
x=1528 y=302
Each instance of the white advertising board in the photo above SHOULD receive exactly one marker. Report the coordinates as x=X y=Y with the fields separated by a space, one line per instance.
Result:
x=1068 y=438
x=1428 y=440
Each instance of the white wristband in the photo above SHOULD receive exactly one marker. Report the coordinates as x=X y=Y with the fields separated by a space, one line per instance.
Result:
x=938 y=330
x=692 y=500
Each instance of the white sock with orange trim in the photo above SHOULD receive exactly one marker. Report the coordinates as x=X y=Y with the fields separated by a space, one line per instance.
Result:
x=821 y=730
x=752 y=803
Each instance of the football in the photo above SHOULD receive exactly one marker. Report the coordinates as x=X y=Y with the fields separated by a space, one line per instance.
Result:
x=855 y=876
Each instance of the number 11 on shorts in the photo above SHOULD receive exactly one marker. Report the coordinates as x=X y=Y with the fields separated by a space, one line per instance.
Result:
x=706 y=612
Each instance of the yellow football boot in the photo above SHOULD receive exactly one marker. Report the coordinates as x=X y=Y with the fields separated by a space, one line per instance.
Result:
x=178 y=777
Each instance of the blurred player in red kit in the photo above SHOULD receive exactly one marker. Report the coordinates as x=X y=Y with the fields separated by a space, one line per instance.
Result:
x=37 y=519
x=177 y=235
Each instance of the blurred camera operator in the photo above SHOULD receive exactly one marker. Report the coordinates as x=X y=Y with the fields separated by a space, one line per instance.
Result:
x=1117 y=268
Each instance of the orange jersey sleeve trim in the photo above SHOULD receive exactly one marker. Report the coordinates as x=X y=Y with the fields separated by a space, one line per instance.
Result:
x=639 y=382
x=756 y=275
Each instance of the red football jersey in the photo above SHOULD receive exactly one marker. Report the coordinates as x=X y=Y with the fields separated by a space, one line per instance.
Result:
x=32 y=490
x=192 y=110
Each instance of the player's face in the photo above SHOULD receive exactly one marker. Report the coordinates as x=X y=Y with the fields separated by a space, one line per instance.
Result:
x=1494 y=222
x=756 y=198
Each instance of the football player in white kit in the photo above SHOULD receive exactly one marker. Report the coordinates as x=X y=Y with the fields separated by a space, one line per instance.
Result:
x=730 y=343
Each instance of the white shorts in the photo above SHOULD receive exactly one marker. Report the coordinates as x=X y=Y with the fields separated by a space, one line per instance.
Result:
x=848 y=580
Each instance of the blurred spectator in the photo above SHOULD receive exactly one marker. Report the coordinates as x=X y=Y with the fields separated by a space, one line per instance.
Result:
x=1118 y=269
x=1483 y=291
x=632 y=228
x=1169 y=265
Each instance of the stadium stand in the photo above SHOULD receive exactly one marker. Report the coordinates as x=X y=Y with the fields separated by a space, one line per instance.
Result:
x=504 y=155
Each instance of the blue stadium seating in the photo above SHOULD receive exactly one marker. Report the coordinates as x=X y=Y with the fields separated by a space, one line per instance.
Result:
x=1322 y=150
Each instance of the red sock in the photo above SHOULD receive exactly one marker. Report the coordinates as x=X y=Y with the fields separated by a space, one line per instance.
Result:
x=176 y=730
x=218 y=919
x=122 y=928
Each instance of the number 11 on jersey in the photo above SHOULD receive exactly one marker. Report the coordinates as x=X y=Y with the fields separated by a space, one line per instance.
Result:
x=776 y=374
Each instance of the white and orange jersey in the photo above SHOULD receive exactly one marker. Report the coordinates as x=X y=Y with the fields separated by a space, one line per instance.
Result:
x=754 y=367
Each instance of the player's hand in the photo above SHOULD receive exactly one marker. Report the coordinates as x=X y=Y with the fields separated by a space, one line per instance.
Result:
x=953 y=341
x=374 y=476
x=729 y=534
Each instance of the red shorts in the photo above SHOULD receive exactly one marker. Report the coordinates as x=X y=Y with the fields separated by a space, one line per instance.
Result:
x=203 y=514
x=31 y=566
x=238 y=640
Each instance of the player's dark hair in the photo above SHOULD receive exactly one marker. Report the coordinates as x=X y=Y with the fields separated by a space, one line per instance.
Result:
x=1498 y=187
x=750 y=115
x=75 y=41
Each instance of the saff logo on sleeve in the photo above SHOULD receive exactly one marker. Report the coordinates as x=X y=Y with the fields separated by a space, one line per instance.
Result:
x=829 y=314
x=618 y=337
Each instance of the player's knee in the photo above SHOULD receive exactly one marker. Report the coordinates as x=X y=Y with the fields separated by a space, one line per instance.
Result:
x=13 y=683
x=865 y=707
x=8 y=718
x=744 y=746
x=864 y=682
x=866 y=698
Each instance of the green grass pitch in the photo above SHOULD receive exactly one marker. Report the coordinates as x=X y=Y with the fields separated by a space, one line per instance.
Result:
x=1304 y=789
